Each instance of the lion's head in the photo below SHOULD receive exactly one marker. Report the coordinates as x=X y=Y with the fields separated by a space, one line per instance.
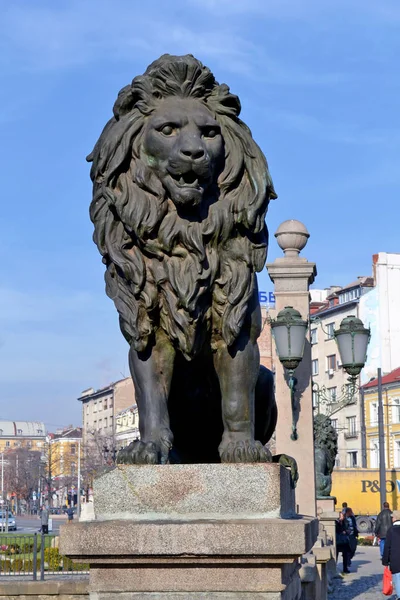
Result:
x=176 y=174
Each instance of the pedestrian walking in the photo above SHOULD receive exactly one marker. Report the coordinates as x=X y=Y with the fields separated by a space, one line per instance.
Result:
x=391 y=553
x=382 y=525
x=342 y=542
x=44 y=519
x=351 y=527
x=344 y=507
x=70 y=514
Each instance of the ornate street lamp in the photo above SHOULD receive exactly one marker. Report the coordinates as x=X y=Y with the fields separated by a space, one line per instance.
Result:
x=352 y=340
x=289 y=331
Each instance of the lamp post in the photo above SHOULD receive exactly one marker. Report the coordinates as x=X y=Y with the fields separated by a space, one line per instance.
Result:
x=289 y=331
x=352 y=340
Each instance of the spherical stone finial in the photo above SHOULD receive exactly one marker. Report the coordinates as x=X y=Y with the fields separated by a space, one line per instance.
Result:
x=292 y=236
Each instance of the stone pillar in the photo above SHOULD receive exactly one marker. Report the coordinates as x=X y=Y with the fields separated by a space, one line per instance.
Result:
x=292 y=276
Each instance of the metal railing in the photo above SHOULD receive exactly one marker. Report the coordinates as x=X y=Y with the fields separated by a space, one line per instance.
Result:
x=36 y=556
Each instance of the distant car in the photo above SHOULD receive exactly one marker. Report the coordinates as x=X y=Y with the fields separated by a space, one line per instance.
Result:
x=11 y=522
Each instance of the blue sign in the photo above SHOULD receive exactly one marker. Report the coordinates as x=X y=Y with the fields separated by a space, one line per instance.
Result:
x=266 y=298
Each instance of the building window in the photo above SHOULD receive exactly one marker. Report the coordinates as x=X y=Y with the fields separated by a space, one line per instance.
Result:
x=73 y=449
x=314 y=366
x=331 y=362
x=100 y=424
x=374 y=414
x=396 y=410
x=29 y=443
x=350 y=295
x=315 y=397
x=87 y=410
x=334 y=423
x=105 y=406
x=352 y=458
x=19 y=431
x=73 y=468
x=110 y=402
x=7 y=444
x=314 y=336
x=332 y=393
x=95 y=407
x=329 y=330
x=337 y=461
x=105 y=422
x=396 y=454
x=374 y=454
x=100 y=406
x=351 y=425
x=111 y=422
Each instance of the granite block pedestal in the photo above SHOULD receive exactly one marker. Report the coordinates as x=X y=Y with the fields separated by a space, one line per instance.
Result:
x=192 y=532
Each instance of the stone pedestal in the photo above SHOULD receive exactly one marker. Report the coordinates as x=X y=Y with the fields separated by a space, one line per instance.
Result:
x=193 y=532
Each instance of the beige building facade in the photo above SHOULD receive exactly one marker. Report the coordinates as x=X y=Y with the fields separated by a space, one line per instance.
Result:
x=327 y=371
x=100 y=407
x=127 y=426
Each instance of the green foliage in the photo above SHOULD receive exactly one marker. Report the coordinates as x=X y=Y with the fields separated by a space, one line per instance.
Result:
x=366 y=540
x=17 y=565
x=13 y=549
x=69 y=565
x=28 y=565
x=5 y=566
x=52 y=558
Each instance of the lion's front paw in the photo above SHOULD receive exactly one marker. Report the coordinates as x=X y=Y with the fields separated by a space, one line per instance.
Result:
x=139 y=453
x=243 y=451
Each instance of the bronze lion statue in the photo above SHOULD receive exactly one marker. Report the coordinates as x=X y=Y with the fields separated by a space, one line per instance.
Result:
x=180 y=193
x=326 y=448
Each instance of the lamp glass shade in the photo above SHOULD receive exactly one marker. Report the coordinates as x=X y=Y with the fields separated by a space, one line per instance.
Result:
x=297 y=340
x=289 y=331
x=282 y=340
x=345 y=345
x=352 y=339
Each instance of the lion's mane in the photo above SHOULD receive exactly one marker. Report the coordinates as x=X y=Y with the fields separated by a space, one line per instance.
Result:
x=162 y=269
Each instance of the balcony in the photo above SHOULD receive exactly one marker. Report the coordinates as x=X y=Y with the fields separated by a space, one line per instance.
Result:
x=350 y=435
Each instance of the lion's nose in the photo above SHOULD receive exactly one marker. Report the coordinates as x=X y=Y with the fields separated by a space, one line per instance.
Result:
x=193 y=151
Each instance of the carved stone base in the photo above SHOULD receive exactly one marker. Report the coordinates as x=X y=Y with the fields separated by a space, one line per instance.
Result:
x=224 y=558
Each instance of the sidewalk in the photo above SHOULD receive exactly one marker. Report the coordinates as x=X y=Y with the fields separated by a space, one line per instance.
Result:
x=365 y=580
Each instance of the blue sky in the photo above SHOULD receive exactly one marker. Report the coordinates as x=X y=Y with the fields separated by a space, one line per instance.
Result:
x=319 y=85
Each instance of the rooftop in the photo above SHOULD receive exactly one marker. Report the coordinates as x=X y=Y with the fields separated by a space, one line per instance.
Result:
x=392 y=377
x=29 y=429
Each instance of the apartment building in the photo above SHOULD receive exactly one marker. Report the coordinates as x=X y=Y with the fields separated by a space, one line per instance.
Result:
x=30 y=435
x=327 y=372
x=391 y=420
x=100 y=407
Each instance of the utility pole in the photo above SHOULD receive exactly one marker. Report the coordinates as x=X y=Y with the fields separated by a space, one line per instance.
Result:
x=382 y=457
x=2 y=491
x=363 y=431
x=79 y=481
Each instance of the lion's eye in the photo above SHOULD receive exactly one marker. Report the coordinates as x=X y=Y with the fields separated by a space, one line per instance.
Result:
x=167 y=130
x=211 y=132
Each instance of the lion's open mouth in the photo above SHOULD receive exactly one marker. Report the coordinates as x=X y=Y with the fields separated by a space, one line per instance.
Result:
x=189 y=179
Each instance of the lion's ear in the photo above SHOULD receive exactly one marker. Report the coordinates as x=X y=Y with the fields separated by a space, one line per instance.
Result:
x=223 y=102
x=125 y=102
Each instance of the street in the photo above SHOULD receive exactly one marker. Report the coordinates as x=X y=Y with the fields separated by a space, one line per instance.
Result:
x=31 y=524
x=365 y=580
